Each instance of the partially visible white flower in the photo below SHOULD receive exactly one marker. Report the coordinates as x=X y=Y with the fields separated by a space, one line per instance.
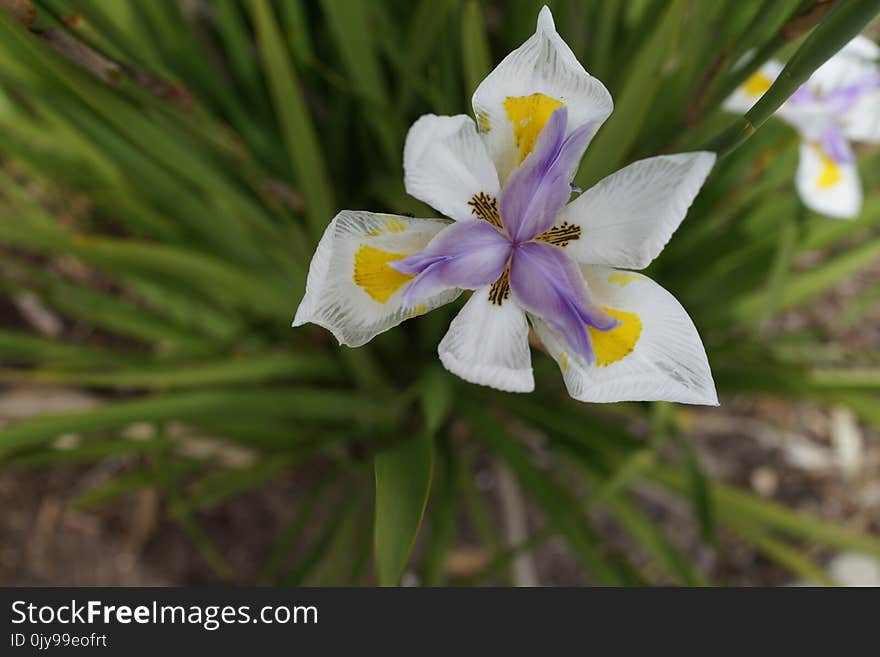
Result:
x=852 y=569
x=529 y=253
x=839 y=104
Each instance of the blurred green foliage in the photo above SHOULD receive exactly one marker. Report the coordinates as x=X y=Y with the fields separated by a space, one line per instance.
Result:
x=168 y=166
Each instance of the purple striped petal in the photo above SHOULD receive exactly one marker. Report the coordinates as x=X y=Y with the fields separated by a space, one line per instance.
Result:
x=536 y=191
x=547 y=283
x=845 y=98
x=836 y=145
x=466 y=255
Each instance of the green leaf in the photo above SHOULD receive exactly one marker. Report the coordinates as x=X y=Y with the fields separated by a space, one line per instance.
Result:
x=300 y=138
x=475 y=49
x=21 y=348
x=294 y=527
x=563 y=510
x=785 y=250
x=733 y=503
x=436 y=397
x=646 y=531
x=442 y=516
x=352 y=24
x=403 y=481
x=302 y=404
x=700 y=494
x=632 y=104
x=843 y=22
x=785 y=555
x=246 y=369
x=128 y=483
x=221 y=485
x=808 y=284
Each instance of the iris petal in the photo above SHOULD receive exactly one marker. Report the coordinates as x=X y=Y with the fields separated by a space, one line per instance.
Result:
x=466 y=255
x=547 y=283
x=538 y=189
x=836 y=146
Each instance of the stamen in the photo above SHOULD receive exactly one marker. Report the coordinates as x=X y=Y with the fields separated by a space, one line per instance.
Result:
x=500 y=289
x=486 y=208
x=561 y=235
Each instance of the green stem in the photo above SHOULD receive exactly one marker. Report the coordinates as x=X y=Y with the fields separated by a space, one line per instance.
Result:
x=843 y=22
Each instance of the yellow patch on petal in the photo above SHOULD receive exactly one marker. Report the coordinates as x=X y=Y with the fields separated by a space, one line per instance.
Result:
x=390 y=224
x=618 y=343
x=374 y=276
x=528 y=114
x=622 y=278
x=563 y=362
x=830 y=174
x=757 y=84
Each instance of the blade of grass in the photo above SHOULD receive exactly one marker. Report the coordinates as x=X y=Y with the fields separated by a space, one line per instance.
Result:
x=301 y=404
x=247 y=369
x=352 y=25
x=785 y=555
x=843 y=22
x=641 y=83
x=300 y=138
x=809 y=284
x=563 y=511
x=475 y=49
x=403 y=481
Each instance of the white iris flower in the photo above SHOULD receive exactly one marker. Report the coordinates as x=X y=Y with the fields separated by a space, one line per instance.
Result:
x=839 y=104
x=530 y=253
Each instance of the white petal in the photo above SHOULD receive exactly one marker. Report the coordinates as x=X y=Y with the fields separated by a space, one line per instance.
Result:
x=863 y=48
x=850 y=64
x=350 y=289
x=827 y=187
x=627 y=218
x=748 y=93
x=446 y=164
x=544 y=64
x=862 y=122
x=667 y=361
x=811 y=120
x=488 y=344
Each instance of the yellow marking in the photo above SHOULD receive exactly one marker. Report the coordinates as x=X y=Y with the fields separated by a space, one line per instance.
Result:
x=528 y=114
x=757 y=84
x=830 y=174
x=485 y=207
x=622 y=278
x=483 y=122
x=561 y=235
x=374 y=276
x=563 y=362
x=616 y=344
x=420 y=309
x=390 y=224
